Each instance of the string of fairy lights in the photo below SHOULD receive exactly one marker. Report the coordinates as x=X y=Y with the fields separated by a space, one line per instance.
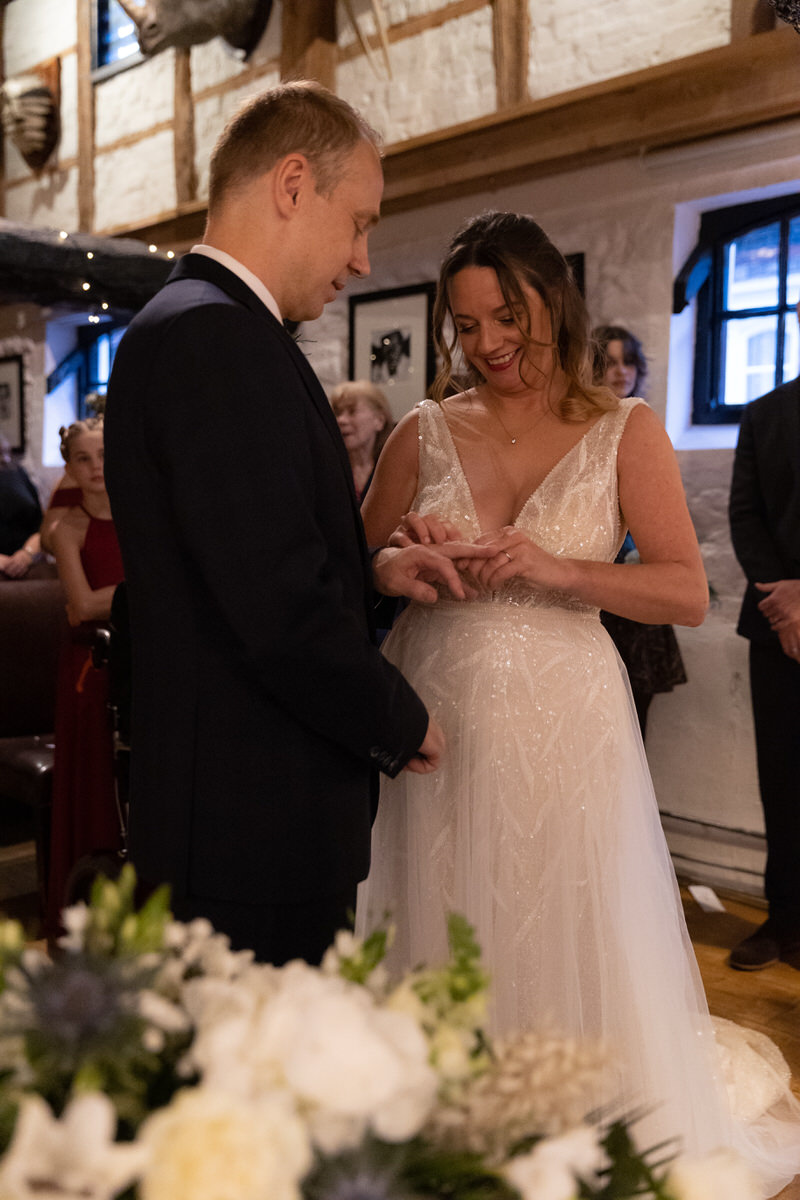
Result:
x=102 y=306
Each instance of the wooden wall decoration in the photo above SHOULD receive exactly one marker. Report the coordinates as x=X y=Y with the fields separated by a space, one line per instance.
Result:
x=31 y=104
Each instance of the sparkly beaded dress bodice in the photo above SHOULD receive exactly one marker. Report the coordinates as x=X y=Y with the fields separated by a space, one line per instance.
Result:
x=573 y=512
x=541 y=825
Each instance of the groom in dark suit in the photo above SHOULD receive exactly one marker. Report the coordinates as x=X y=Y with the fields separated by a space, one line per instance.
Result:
x=261 y=707
x=765 y=528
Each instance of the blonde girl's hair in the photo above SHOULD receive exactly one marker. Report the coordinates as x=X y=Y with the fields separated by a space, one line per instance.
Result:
x=68 y=433
x=520 y=252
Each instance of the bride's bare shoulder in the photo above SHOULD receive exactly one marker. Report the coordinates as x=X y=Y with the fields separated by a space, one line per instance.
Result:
x=459 y=405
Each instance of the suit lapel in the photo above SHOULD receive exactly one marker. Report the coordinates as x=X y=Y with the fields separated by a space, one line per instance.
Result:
x=200 y=266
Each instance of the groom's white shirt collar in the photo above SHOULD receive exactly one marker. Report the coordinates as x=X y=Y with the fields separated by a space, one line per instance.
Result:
x=247 y=277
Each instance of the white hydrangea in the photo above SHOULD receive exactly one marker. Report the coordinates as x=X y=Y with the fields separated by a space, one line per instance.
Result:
x=350 y=1063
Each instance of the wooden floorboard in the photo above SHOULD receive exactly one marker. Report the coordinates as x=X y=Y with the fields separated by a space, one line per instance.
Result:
x=767 y=1000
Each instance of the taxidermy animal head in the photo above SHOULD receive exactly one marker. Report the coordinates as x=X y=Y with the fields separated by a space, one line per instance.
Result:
x=30 y=118
x=163 y=23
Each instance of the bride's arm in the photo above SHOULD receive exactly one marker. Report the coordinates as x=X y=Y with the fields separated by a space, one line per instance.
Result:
x=394 y=484
x=668 y=585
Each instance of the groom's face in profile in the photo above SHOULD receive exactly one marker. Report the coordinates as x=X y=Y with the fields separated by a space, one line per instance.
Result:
x=336 y=229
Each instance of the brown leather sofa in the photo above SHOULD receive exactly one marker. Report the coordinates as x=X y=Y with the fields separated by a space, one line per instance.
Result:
x=32 y=619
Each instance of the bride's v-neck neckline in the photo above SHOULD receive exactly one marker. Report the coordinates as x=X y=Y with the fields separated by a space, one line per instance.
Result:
x=545 y=478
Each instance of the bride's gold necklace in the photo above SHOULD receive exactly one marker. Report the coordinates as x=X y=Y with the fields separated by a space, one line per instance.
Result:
x=514 y=438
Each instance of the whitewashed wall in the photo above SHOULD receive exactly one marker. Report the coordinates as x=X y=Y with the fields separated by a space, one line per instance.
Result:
x=575 y=42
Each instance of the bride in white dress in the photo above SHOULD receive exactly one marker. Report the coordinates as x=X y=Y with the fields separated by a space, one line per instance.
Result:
x=541 y=826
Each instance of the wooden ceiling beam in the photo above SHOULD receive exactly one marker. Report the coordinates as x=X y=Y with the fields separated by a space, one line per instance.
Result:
x=511 y=31
x=748 y=83
x=309 y=47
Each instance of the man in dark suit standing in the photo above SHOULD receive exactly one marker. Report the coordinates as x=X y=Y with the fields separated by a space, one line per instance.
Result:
x=765 y=528
x=261 y=708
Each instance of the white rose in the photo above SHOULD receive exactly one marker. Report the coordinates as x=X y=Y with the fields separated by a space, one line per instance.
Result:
x=207 y=1145
x=722 y=1175
x=75 y=1156
x=550 y=1171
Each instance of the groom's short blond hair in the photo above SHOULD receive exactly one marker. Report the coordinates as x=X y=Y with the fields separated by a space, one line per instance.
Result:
x=301 y=117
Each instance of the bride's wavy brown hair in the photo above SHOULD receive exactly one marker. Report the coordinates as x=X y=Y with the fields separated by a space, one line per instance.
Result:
x=520 y=252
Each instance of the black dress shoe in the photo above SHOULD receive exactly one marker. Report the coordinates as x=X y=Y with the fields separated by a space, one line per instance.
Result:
x=761 y=949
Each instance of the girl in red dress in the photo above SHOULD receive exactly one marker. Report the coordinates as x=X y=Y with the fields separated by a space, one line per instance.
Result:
x=85 y=817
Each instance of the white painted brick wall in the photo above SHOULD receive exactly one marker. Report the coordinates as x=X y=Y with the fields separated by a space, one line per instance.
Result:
x=575 y=43
x=210 y=115
x=216 y=61
x=440 y=77
x=135 y=99
x=134 y=182
x=396 y=11
x=68 y=145
x=51 y=201
x=36 y=30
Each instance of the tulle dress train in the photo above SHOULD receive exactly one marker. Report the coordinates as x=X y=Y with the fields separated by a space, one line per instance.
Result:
x=542 y=827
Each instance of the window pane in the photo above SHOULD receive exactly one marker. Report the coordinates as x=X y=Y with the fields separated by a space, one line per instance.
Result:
x=749 y=348
x=791 y=349
x=116 y=33
x=751 y=269
x=793 y=282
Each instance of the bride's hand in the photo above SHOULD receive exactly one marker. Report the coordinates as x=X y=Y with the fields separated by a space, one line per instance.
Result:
x=516 y=556
x=428 y=530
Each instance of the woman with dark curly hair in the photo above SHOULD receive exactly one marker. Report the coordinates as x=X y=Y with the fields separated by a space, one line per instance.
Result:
x=650 y=652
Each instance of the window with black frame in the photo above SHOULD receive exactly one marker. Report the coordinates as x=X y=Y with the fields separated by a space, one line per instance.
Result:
x=115 y=40
x=744 y=275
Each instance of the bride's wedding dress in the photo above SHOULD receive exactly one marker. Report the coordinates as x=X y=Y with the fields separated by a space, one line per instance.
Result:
x=542 y=825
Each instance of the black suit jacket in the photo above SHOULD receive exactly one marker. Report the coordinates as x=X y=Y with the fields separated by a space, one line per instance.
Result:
x=261 y=707
x=765 y=500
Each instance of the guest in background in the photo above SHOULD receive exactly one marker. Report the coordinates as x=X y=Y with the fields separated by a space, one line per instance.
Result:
x=20 y=516
x=650 y=652
x=765 y=530
x=365 y=421
x=66 y=494
x=85 y=818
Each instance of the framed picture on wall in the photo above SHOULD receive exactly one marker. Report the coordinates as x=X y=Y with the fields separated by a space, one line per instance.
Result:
x=12 y=412
x=391 y=343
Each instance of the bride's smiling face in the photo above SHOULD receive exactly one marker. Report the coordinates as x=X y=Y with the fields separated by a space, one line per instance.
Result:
x=491 y=339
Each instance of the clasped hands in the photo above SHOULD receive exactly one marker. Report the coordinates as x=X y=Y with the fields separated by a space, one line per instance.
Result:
x=781 y=607
x=428 y=549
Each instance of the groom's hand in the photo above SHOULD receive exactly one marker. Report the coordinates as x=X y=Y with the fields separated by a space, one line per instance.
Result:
x=429 y=755
x=412 y=570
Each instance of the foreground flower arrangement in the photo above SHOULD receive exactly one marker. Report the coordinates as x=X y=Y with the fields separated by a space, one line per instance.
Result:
x=149 y=1061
